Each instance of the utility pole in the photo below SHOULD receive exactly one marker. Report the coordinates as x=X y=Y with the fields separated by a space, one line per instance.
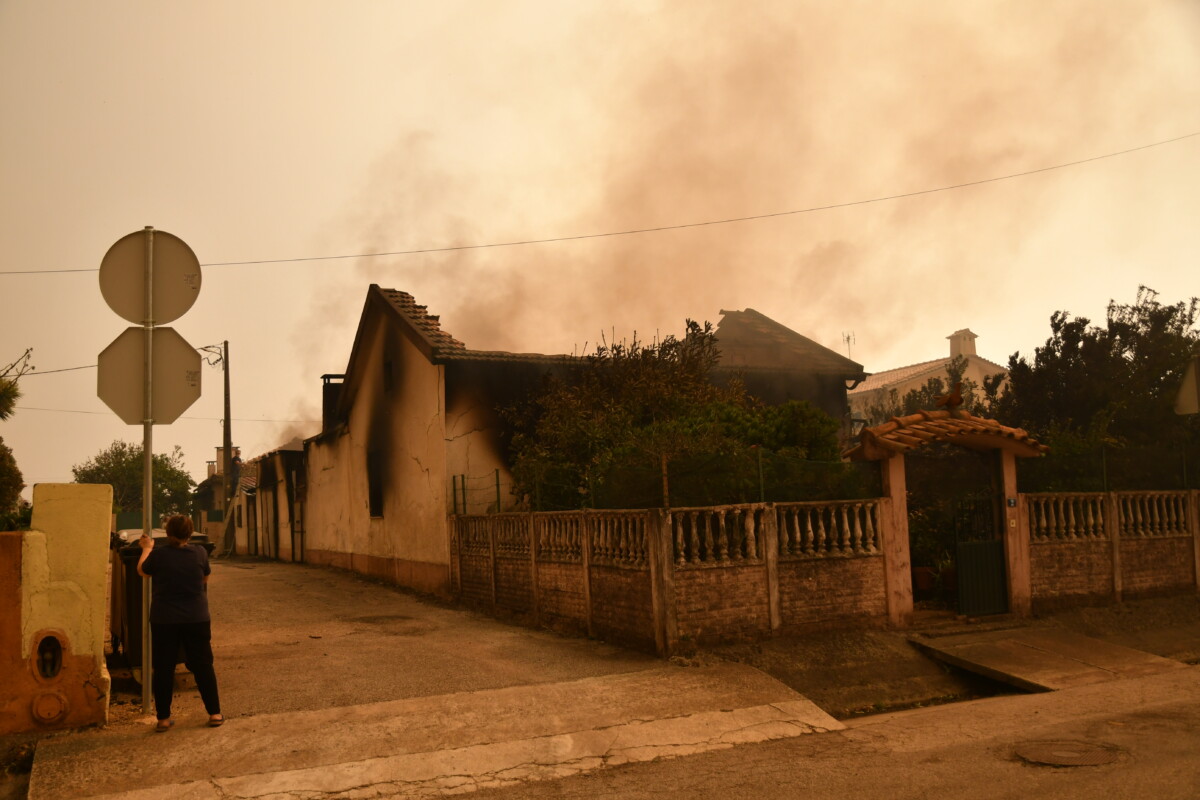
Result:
x=227 y=442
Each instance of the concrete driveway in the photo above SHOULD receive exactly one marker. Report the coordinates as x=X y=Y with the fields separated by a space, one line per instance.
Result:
x=289 y=637
x=333 y=684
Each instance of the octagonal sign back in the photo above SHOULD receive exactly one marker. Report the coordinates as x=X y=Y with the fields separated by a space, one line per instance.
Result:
x=121 y=376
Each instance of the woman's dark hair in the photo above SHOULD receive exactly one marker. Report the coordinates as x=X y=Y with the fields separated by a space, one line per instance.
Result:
x=179 y=527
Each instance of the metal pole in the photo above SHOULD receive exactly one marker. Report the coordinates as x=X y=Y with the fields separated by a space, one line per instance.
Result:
x=497 y=490
x=148 y=460
x=227 y=443
x=762 y=494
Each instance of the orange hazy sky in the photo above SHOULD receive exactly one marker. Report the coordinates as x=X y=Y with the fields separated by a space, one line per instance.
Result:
x=290 y=129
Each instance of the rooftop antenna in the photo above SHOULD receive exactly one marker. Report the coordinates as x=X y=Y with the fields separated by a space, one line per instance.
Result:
x=848 y=338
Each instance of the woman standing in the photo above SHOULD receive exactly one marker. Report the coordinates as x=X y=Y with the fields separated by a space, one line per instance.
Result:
x=179 y=618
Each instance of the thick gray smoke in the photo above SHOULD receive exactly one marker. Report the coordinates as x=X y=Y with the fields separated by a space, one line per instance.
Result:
x=713 y=111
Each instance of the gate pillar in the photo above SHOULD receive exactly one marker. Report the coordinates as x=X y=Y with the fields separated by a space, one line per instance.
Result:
x=894 y=541
x=1016 y=540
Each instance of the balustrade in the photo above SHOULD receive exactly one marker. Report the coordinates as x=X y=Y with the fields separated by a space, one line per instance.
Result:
x=512 y=534
x=472 y=535
x=719 y=535
x=1066 y=517
x=1080 y=517
x=619 y=538
x=559 y=536
x=814 y=530
x=1144 y=514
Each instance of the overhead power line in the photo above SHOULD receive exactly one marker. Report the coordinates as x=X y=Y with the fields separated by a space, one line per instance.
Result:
x=52 y=371
x=661 y=228
x=202 y=419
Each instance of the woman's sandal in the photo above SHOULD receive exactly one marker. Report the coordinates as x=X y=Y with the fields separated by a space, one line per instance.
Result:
x=164 y=725
x=216 y=721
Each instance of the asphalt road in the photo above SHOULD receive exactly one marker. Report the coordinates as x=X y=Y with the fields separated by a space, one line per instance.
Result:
x=1150 y=727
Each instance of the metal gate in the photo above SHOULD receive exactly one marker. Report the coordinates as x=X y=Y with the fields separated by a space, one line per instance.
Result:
x=982 y=580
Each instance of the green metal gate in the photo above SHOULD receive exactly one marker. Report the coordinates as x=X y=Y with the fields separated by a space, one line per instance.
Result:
x=982 y=579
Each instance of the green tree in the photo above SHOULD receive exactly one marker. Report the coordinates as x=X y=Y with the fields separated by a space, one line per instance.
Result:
x=613 y=426
x=121 y=465
x=11 y=479
x=11 y=484
x=10 y=390
x=1102 y=396
x=1117 y=380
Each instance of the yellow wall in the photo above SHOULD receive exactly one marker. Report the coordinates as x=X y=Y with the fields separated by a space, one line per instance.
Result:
x=65 y=558
x=57 y=595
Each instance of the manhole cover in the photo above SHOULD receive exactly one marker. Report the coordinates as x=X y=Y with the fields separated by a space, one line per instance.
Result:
x=1066 y=754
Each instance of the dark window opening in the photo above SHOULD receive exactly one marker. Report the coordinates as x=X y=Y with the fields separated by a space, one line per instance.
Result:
x=49 y=657
x=375 y=483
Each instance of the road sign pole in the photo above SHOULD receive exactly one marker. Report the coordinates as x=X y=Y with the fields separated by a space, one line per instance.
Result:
x=148 y=462
x=136 y=267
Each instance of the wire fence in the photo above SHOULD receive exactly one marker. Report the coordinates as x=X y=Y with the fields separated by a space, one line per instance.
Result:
x=1103 y=469
x=696 y=481
x=489 y=493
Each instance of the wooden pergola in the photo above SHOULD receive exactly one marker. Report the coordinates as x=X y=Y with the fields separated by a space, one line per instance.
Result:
x=888 y=443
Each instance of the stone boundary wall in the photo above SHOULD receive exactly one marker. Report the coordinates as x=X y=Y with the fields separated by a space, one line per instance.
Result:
x=665 y=580
x=1108 y=546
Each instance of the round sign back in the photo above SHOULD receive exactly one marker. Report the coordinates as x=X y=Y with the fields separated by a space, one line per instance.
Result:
x=175 y=273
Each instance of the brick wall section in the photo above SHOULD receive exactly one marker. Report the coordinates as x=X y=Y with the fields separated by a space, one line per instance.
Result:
x=622 y=606
x=476 y=580
x=560 y=596
x=514 y=584
x=1062 y=570
x=716 y=604
x=819 y=590
x=1156 y=564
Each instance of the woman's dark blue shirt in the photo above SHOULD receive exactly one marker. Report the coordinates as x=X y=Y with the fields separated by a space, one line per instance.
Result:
x=178 y=593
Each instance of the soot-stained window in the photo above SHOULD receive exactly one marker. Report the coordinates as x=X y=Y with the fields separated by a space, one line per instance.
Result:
x=375 y=483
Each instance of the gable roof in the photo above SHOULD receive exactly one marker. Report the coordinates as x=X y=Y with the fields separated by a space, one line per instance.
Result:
x=424 y=331
x=899 y=375
x=747 y=340
x=751 y=339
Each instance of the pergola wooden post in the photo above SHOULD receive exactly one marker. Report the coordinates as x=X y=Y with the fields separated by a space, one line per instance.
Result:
x=1016 y=540
x=897 y=569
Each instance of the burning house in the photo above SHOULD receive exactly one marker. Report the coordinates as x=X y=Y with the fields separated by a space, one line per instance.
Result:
x=412 y=433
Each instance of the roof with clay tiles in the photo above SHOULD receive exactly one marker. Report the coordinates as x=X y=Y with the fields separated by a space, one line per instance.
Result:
x=439 y=345
x=901 y=434
x=427 y=326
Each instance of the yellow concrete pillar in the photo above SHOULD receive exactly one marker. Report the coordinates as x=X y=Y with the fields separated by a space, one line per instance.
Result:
x=56 y=671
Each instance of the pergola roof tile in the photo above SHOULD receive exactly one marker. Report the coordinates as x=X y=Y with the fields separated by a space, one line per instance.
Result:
x=901 y=434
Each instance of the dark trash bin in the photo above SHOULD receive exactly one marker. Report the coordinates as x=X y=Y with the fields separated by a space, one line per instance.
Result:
x=125 y=624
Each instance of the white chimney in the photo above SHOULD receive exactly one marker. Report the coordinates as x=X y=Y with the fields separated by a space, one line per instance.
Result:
x=962 y=343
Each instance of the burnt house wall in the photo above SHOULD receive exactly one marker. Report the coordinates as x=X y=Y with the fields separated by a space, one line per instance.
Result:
x=393 y=446
x=478 y=436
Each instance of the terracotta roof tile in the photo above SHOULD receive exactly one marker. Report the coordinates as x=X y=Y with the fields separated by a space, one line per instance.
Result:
x=428 y=325
x=900 y=434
